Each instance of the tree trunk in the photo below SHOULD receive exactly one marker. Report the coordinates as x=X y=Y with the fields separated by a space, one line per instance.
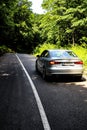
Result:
x=73 y=39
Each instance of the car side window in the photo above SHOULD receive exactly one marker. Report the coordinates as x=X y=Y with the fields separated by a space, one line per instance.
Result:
x=45 y=54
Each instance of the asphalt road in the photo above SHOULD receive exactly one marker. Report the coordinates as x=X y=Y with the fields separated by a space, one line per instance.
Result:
x=27 y=102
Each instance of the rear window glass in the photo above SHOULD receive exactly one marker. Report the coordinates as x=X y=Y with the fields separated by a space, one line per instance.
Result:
x=63 y=54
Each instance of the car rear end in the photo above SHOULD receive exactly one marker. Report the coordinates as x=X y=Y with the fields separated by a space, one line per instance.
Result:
x=66 y=64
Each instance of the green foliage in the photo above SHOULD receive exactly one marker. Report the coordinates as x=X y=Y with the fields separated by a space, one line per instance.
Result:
x=65 y=21
x=41 y=47
x=63 y=24
x=23 y=20
x=81 y=52
x=4 y=49
x=16 y=21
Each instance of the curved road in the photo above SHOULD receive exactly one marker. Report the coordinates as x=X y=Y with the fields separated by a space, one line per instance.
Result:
x=27 y=102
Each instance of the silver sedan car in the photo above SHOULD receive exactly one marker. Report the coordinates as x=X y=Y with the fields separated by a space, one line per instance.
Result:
x=59 y=62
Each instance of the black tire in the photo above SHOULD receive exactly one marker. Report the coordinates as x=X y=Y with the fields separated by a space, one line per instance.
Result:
x=79 y=77
x=45 y=77
x=36 y=68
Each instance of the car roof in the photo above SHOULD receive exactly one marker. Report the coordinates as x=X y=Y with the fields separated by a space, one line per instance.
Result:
x=58 y=50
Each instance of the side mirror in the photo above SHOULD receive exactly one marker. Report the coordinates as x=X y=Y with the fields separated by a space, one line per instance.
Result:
x=37 y=55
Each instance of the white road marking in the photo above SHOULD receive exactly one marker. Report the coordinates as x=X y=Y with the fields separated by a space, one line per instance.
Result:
x=39 y=104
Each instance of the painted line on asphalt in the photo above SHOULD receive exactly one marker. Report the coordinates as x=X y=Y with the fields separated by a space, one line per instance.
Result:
x=39 y=104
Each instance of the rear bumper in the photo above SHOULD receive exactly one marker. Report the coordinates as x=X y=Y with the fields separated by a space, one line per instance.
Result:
x=67 y=71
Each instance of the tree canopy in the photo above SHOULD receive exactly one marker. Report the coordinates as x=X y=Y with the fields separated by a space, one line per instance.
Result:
x=64 y=23
x=16 y=23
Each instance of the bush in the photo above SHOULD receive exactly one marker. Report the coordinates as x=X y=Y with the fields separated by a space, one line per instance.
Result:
x=4 y=49
x=81 y=52
x=40 y=48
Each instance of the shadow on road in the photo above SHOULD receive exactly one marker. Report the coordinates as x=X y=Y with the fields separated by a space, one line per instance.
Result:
x=62 y=78
x=66 y=78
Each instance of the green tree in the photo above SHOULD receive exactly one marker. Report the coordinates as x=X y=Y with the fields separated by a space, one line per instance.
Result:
x=65 y=21
x=23 y=19
x=16 y=23
x=36 y=30
x=6 y=20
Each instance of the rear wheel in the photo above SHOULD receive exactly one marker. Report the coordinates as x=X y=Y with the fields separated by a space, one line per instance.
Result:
x=44 y=74
x=36 y=67
x=79 y=77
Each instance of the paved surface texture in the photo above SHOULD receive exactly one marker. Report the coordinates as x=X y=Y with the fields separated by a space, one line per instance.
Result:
x=64 y=99
x=18 y=109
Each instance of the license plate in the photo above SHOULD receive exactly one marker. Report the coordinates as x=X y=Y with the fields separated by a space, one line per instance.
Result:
x=67 y=64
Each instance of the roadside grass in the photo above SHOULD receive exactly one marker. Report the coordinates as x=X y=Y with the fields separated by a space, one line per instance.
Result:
x=79 y=50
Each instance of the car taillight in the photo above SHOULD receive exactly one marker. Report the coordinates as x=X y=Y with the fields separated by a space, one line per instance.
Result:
x=54 y=62
x=79 y=62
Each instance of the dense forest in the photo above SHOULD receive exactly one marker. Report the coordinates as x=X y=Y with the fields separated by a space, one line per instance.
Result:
x=63 y=23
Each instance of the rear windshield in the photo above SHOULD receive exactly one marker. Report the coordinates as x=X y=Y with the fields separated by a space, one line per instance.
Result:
x=63 y=54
